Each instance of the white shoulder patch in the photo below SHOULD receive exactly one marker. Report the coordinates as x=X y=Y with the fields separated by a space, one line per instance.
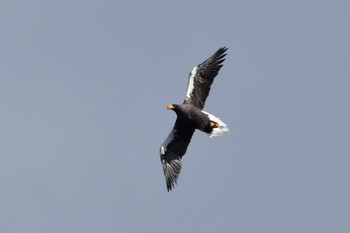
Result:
x=191 y=82
x=167 y=141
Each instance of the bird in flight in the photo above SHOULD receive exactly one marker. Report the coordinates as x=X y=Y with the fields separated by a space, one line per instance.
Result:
x=190 y=116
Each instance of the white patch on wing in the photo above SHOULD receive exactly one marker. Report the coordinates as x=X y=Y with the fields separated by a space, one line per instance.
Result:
x=222 y=129
x=191 y=82
x=167 y=141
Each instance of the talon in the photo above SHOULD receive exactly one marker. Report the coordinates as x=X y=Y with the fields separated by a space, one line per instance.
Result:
x=214 y=124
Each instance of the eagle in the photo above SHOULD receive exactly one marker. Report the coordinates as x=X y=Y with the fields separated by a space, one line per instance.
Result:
x=190 y=116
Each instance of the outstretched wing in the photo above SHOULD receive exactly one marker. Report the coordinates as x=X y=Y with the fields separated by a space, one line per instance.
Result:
x=172 y=150
x=201 y=78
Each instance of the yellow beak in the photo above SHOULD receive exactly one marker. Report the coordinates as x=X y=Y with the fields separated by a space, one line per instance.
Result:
x=170 y=107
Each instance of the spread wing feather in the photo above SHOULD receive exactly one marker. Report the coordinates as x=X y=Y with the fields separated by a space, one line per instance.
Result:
x=202 y=77
x=172 y=150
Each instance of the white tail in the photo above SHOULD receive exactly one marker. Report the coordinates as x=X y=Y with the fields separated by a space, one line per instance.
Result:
x=221 y=126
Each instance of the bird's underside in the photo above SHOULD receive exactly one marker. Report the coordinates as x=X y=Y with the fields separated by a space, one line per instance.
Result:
x=190 y=116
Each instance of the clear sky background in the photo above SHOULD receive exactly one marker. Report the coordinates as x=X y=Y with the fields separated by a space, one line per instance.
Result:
x=84 y=87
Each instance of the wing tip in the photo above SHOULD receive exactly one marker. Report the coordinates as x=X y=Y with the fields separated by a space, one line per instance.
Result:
x=171 y=182
x=172 y=171
x=170 y=186
x=215 y=62
x=221 y=53
x=223 y=49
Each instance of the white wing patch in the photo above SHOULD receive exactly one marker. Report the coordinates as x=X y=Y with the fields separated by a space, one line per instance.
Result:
x=222 y=129
x=191 y=82
x=167 y=141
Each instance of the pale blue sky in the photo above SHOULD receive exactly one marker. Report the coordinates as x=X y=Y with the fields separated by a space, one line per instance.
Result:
x=84 y=87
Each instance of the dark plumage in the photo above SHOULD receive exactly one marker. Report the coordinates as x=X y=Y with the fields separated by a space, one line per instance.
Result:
x=190 y=116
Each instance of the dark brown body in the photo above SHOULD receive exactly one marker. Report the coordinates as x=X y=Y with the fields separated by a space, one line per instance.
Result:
x=192 y=117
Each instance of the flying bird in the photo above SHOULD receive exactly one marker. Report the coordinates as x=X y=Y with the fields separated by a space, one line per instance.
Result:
x=190 y=116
